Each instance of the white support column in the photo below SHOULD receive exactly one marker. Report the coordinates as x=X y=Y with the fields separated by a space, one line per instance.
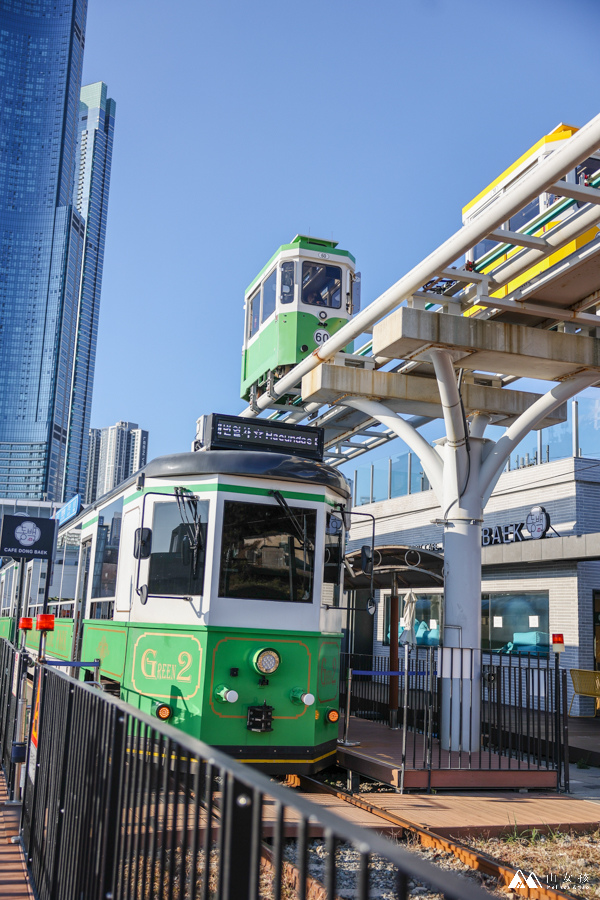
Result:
x=462 y=514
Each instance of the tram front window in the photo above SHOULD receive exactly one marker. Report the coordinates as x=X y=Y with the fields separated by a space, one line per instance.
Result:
x=267 y=553
x=176 y=565
x=321 y=285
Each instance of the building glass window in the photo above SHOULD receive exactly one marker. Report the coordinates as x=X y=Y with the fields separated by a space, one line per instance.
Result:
x=108 y=537
x=176 y=564
x=428 y=615
x=321 y=285
x=267 y=553
x=269 y=296
x=515 y=622
x=525 y=215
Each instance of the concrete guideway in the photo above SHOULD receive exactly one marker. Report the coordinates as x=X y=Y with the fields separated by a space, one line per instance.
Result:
x=416 y=395
x=488 y=346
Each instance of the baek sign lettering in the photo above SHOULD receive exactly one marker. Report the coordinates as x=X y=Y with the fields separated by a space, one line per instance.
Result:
x=536 y=524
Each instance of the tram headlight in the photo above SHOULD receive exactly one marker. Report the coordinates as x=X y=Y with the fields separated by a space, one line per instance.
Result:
x=266 y=661
x=162 y=711
x=299 y=695
x=225 y=694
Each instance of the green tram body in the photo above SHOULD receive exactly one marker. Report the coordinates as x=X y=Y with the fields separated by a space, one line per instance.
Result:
x=196 y=638
x=303 y=295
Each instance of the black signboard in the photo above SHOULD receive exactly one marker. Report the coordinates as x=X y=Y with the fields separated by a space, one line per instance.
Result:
x=27 y=537
x=236 y=433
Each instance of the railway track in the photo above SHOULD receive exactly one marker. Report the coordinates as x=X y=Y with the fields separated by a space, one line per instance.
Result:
x=480 y=862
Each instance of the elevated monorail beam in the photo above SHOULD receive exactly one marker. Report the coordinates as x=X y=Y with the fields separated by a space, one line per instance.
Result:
x=575 y=150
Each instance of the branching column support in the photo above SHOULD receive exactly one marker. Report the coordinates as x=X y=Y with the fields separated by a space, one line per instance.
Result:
x=463 y=472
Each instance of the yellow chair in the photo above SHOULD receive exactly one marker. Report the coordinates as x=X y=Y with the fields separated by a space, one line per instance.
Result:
x=586 y=684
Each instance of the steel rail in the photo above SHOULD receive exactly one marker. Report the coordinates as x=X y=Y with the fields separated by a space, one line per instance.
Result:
x=474 y=859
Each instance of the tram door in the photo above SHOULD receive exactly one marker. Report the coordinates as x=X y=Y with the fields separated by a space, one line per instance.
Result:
x=81 y=595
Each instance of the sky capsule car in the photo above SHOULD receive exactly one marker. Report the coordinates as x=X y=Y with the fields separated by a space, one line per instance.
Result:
x=303 y=295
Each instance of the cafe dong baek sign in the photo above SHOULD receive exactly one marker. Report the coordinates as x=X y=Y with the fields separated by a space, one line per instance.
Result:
x=535 y=526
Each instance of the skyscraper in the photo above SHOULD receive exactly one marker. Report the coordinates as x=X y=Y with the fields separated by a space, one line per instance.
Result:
x=41 y=239
x=114 y=454
x=90 y=199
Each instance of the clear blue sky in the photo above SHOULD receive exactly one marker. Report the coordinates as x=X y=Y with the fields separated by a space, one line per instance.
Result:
x=239 y=125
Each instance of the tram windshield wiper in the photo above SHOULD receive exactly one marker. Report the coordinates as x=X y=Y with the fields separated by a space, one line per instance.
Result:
x=305 y=543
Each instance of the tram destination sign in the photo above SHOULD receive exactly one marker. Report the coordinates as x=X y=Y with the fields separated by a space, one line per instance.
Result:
x=221 y=432
x=27 y=537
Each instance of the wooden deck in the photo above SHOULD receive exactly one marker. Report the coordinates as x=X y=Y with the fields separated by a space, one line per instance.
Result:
x=491 y=814
x=14 y=883
x=379 y=756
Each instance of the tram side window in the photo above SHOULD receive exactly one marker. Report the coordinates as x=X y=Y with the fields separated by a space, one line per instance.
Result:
x=269 y=296
x=108 y=538
x=321 y=285
x=176 y=565
x=287 y=283
x=253 y=314
x=266 y=554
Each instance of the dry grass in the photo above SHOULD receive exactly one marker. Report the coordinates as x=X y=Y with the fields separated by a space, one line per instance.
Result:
x=562 y=861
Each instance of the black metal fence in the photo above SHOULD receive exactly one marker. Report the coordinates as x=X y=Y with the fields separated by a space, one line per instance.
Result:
x=521 y=707
x=118 y=806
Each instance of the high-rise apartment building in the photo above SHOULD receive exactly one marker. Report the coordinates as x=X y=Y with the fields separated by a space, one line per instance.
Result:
x=114 y=454
x=90 y=199
x=41 y=238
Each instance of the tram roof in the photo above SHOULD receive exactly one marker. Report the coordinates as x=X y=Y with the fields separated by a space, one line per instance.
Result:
x=302 y=242
x=249 y=463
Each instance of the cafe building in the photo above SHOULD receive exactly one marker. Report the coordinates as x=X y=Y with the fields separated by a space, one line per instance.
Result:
x=540 y=556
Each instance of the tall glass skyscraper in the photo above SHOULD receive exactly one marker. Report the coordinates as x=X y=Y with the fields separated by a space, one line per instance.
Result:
x=90 y=199
x=42 y=238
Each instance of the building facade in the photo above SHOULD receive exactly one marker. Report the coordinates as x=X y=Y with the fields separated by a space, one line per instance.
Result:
x=90 y=199
x=41 y=239
x=114 y=454
x=531 y=587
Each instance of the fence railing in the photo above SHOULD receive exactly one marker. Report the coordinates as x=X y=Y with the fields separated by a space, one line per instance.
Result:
x=521 y=707
x=118 y=806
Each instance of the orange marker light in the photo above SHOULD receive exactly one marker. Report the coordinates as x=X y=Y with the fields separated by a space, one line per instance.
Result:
x=163 y=712
x=25 y=623
x=332 y=715
x=45 y=622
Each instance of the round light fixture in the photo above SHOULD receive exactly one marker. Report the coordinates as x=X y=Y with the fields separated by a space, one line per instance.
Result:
x=332 y=715
x=266 y=661
x=163 y=712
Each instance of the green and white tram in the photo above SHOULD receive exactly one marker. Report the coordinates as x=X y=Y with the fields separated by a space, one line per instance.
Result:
x=303 y=295
x=208 y=585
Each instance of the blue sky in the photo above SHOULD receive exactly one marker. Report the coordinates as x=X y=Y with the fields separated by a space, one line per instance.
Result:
x=239 y=125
